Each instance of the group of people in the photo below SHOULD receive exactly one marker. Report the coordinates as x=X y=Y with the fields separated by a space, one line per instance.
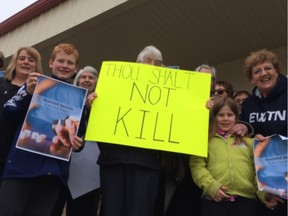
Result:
x=132 y=180
x=224 y=177
x=34 y=184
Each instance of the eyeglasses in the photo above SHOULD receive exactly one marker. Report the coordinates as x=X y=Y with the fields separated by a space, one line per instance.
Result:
x=220 y=91
x=152 y=61
x=258 y=71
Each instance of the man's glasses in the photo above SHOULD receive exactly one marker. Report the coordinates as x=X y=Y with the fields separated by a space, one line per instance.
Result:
x=220 y=91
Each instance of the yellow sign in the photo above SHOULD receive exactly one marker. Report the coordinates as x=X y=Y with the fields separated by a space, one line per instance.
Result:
x=151 y=107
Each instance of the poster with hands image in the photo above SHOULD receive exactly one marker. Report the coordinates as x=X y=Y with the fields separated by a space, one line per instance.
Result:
x=52 y=119
x=270 y=157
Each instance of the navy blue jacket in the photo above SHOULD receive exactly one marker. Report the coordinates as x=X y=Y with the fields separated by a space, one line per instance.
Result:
x=24 y=164
x=267 y=115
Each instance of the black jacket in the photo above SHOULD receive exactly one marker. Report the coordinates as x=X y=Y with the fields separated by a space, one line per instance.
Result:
x=7 y=130
x=119 y=154
x=267 y=115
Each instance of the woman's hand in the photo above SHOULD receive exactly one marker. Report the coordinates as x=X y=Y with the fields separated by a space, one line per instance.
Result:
x=272 y=200
x=239 y=129
x=32 y=81
x=260 y=137
x=90 y=98
x=210 y=103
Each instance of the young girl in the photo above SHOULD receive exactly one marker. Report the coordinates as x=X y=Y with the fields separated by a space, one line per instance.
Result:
x=227 y=175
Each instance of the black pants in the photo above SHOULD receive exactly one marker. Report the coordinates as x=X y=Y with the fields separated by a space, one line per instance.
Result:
x=128 y=190
x=187 y=199
x=60 y=201
x=240 y=207
x=86 y=204
x=29 y=197
x=279 y=210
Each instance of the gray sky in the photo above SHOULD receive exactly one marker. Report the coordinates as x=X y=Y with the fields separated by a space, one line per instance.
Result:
x=10 y=7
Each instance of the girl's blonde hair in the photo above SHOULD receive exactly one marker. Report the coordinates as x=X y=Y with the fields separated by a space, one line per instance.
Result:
x=10 y=72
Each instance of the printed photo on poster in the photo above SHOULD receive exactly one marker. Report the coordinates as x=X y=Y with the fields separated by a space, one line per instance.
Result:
x=271 y=165
x=52 y=119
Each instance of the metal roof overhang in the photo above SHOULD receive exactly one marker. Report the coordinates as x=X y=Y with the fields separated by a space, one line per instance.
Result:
x=188 y=32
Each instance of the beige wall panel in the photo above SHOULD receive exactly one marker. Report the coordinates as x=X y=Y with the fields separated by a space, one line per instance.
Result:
x=63 y=17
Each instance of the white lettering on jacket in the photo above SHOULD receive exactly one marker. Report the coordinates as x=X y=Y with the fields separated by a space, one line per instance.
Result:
x=267 y=116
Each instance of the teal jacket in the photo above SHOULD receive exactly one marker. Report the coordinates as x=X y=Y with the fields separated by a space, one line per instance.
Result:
x=227 y=164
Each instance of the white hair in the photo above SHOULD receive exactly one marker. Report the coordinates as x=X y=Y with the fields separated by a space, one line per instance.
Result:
x=149 y=50
x=212 y=69
x=89 y=69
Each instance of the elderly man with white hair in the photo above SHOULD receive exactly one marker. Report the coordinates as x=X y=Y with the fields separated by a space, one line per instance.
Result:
x=130 y=176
